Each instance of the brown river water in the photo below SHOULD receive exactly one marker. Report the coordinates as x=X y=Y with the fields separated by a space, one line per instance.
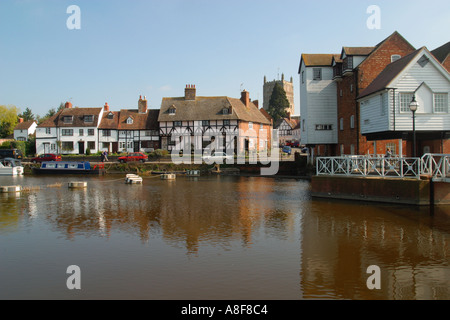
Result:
x=214 y=237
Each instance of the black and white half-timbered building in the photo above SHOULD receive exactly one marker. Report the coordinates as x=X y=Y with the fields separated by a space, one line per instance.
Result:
x=216 y=123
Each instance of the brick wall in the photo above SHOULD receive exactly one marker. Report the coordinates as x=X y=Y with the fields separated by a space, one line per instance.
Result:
x=349 y=88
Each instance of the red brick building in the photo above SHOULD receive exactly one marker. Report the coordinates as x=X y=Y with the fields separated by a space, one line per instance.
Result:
x=357 y=68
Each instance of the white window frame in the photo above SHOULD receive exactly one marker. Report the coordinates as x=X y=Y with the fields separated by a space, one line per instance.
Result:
x=444 y=101
x=405 y=99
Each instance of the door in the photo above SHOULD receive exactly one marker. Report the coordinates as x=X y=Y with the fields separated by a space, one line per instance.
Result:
x=115 y=147
x=81 y=147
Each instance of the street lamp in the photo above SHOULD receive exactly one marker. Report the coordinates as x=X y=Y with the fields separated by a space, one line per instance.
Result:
x=413 y=107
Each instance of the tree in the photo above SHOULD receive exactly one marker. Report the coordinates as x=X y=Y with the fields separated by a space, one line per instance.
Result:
x=27 y=115
x=278 y=103
x=8 y=120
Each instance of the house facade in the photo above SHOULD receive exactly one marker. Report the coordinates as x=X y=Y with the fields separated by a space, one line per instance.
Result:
x=349 y=130
x=222 y=123
x=82 y=130
x=286 y=130
x=24 y=129
x=318 y=103
x=385 y=103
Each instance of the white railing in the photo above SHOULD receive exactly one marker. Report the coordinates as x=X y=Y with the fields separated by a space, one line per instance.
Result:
x=436 y=166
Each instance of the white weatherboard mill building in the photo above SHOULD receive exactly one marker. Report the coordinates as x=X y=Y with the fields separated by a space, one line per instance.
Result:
x=318 y=100
x=385 y=103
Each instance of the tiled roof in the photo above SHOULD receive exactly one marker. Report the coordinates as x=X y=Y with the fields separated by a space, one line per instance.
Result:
x=358 y=51
x=141 y=121
x=77 y=115
x=210 y=108
x=109 y=123
x=24 y=125
x=318 y=59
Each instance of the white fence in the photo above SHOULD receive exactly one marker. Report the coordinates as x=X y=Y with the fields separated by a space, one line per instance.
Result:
x=435 y=165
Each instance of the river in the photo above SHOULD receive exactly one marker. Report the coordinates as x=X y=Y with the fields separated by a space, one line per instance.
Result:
x=214 y=237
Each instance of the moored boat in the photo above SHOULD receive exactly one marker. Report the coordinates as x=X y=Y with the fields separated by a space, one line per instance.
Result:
x=68 y=167
x=11 y=167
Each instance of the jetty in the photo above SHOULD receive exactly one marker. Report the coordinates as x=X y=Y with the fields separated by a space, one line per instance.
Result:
x=416 y=181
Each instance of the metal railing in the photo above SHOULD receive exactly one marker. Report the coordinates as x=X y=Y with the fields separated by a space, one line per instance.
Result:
x=435 y=165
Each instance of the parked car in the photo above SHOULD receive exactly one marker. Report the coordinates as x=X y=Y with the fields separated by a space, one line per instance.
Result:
x=296 y=144
x=287 y=149
x=11 y=153
x=46 y=157
x=217 y=156
x=305 y=150
x=136 y=156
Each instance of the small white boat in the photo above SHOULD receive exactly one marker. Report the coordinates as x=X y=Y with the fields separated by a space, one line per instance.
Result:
x=10 y=167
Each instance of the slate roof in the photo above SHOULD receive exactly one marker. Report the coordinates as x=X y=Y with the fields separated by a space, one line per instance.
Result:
x=389 y=73
x=442 y=52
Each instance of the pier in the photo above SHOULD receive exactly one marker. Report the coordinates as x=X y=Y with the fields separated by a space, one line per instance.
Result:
x=416 y=181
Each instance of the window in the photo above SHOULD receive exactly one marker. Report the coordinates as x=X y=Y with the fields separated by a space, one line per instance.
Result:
x=225 y=111
x=303 y=76
x=90 y=132
x=303 y=125
x=323 y=127
x=67 y=119
x=352 y=122
x=205 y=123
x=91 y=145
x=81 y=132
x=53 y=147
x=177 y=124
x=317 y=73
x=395 y=57
x=226 y=122
x=67 y=146
x=441 y=102
x=393 y=147
x=110 y=115
x=106 y=133
x=105 y=145
x=67 y=132
x=130 y=120
x=48 y=130
x=172 y=110
x=250 y=125
x=405 y=100
x=89 y=118
x=341 y=124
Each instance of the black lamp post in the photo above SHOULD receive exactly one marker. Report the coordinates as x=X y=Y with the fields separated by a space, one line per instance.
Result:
x=413 y=107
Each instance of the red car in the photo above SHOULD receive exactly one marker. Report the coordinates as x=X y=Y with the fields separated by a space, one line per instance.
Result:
x=136 y=156
x=46 y=157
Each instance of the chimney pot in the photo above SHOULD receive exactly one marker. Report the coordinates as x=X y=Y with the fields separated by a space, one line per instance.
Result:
x=68 y=105
x=20 y=120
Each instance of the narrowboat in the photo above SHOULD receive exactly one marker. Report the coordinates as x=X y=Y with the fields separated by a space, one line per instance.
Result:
x=68 y=167
x=11 y=167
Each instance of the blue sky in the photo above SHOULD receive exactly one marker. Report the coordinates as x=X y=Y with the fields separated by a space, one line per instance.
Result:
x=154 y=48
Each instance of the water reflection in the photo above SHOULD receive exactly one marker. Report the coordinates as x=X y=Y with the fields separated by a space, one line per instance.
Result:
x=341 y=240
x=244 y=238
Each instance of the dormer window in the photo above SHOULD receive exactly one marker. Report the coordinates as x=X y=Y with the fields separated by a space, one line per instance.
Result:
x=88 y=119
x=172 y=110
x=395 y=57
x=67 y=119
x=130 y=120
x=110 y=115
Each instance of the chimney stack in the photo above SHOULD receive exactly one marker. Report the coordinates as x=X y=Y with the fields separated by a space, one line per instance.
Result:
x=106 y=107
x=245 y=98
x=20 y=120
x=68 y=105
x=142 y=105
x=256 y=103
x=190 y=92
